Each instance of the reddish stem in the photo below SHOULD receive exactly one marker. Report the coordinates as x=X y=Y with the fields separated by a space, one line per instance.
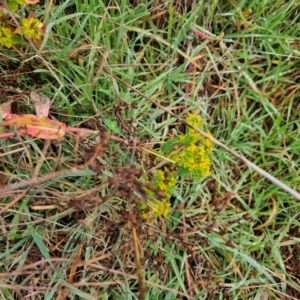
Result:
x=202 y=35
x=6 y=135
x=80 y=131
x=85 y=131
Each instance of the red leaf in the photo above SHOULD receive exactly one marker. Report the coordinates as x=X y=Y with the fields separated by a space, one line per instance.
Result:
x=37 y=127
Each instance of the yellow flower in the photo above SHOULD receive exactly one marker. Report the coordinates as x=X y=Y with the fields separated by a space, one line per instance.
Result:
x=32 y=27
x=194 y=158
x=162 y=208
x=195 y=120
x=208 y=144
x=164 y=181
x=6 y=37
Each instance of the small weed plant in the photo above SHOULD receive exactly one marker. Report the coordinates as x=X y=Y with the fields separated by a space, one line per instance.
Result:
x=30 y=27
x=191 y=155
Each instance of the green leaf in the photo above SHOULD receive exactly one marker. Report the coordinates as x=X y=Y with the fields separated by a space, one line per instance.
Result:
x=38 y=239
x=16 y=39
x=12 y=5
x=167 y=147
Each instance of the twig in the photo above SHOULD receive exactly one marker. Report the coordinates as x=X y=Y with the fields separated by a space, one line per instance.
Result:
x=138 y=264
x=4 y=229
x=17 y=199
x=41 y=159
x=85 y=132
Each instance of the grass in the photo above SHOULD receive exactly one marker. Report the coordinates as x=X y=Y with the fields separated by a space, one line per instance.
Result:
x=232 y=235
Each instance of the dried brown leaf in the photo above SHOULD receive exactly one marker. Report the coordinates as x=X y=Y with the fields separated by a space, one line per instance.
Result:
x=41 y=104
x=5 y=109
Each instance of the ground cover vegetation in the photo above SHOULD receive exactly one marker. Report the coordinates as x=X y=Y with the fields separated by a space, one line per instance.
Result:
x=113 y=194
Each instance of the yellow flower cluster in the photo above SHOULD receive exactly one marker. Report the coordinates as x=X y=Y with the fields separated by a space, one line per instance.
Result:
x=161 y=208
x=6 y=37
x=194 y=158
x=32 y=27
x=195 y=120
x=164 y=182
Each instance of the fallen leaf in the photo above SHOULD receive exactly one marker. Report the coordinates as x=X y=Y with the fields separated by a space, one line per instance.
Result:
x=263 y=295
x=32 y=1
x=37 y=127
x=41 y=104
x=3 y=177
x=221 y=203
x=5 y=109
